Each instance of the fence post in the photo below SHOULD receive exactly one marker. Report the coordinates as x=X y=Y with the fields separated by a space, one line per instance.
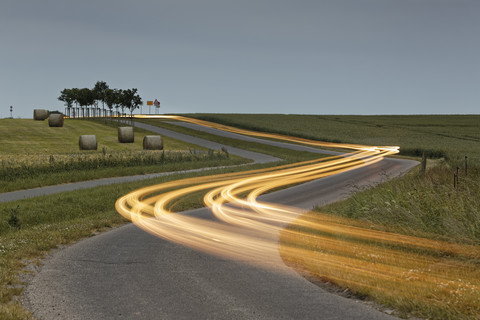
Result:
x=457 y=174
x=424 y=162
x=466 y=165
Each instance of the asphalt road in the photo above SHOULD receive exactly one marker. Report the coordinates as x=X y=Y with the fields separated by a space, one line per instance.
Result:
x=129 y=274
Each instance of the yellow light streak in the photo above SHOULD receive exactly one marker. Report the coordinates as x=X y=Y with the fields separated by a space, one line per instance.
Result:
x=232 y=199
x=241 y=227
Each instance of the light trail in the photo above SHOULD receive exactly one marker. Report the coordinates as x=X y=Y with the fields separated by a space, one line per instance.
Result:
x=239 y=226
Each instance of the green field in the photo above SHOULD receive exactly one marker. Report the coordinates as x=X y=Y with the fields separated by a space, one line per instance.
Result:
x=450 y=136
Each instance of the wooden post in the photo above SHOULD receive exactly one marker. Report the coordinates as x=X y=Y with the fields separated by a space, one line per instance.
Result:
x=424 y=162
x=466 y=165
x=456 y=175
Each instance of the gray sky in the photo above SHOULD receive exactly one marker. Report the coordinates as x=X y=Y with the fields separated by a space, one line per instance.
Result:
x=249 y=56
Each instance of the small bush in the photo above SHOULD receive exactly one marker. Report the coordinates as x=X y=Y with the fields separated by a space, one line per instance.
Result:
x=13 y=220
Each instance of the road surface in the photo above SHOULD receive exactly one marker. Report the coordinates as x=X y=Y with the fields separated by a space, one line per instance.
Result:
x=129 y=274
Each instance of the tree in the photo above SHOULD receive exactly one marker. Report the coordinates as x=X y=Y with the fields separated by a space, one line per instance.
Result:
x=67 y=96
x=110 y=98
x=100 y=90
x=75 y=93
x=136 y=102
x=85 y=97
x=119 y=99
x=131 y=100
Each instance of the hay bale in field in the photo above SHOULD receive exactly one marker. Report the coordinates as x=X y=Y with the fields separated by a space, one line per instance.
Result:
x=55 y=120
x=152 y=143
x=125 y=134
x=40 y=114
x=88 y=142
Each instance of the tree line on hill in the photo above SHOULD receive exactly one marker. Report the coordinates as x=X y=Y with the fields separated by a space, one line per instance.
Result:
x=85 y=102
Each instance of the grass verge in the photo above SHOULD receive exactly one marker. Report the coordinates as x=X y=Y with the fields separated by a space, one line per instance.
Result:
x=411 y=244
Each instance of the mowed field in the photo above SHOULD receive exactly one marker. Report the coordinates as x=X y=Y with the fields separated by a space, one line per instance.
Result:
x=448 y=136
x=32 y=154
x=25 y=136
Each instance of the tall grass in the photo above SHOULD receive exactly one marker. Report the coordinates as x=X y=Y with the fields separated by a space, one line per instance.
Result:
x=412 y=244
x=420 y=204
x=26 y=166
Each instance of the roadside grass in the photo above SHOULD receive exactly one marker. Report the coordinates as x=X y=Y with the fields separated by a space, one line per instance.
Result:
x=420 y=205
x=441 y=136
x=30 y=228
x=414 y=246
x=34 y=155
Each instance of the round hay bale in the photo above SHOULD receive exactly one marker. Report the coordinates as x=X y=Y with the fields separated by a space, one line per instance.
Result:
x=55 y=120
x=88 y=142
x=152 y=143
x=40 y=114
x=125 y=134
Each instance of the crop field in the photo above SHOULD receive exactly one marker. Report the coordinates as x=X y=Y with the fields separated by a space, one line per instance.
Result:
x=441 y=136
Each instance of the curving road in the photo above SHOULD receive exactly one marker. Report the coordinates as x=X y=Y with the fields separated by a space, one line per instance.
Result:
x=129 y=274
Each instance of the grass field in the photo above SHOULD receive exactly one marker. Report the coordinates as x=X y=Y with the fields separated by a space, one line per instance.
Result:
x=449 y=136
x=22 y=136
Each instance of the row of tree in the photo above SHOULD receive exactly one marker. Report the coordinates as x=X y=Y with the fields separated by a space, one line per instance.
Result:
x=88 y=100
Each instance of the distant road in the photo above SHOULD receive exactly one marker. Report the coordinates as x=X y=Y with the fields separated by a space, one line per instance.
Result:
x=129 y=274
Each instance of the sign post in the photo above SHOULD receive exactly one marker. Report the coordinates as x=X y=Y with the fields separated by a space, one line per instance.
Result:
x=157 y=106
x=149 y=104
